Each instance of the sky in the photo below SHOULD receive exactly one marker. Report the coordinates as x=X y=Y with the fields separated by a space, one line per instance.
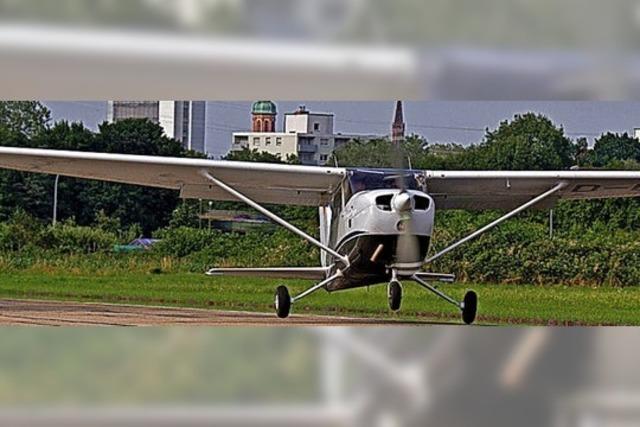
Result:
x=438 y=121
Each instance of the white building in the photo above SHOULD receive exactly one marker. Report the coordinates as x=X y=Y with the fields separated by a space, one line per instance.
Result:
x=309 y=136
x=181 y=120
x=185 y=122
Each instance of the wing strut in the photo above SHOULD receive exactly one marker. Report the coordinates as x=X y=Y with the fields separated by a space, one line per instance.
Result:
x=503 y=218
x=274 y=217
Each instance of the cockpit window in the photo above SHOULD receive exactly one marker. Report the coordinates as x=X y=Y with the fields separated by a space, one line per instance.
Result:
x=364 y=179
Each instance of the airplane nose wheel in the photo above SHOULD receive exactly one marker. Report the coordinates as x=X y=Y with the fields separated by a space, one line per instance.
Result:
x=469 y=307
x=282 y=302
x=395 y=295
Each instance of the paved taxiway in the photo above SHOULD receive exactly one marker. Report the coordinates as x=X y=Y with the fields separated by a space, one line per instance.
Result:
x=63 y=313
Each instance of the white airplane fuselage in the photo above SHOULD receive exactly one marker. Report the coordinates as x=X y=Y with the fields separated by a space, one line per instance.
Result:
x=381 y=231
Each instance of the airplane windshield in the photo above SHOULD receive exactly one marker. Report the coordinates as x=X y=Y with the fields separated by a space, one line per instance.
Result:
x=363 y=179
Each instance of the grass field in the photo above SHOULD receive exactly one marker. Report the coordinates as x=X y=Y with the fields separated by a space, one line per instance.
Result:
x=499 y=304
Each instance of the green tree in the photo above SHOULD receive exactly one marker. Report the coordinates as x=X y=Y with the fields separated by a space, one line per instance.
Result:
x=611 y=151
x=24 y=124
x=249 y=155
x=612 y=147
x=22 y=229
x=381 y=153
x=529 y=141
x=185 y=214
x=374 y=153
x=583 y=153
x=135 y=136
x=28 y=118
x=441 y=157
x=131 y=204
x=83 y=199
x=108 y=224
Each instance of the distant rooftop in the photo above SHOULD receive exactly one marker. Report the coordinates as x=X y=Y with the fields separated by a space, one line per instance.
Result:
x=303 y=110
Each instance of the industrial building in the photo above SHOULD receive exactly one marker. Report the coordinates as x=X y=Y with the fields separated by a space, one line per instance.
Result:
x=181 y=120
x=308 y=135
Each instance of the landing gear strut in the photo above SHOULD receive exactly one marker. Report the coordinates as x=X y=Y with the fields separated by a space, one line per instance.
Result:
x=468 y=306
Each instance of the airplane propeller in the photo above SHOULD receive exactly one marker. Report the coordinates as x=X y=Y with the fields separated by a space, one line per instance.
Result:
x=407 y=247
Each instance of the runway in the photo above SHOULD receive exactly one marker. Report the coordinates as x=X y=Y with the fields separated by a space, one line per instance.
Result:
x=64 y=313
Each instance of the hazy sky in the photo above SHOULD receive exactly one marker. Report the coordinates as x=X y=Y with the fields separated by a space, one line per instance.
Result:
x=452 y=121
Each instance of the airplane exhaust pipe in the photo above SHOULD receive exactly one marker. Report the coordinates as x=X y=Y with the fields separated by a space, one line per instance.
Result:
x=376 y=253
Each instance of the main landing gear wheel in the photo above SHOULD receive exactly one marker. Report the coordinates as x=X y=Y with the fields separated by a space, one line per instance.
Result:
x=282 y=302
x=395 y=295
x=469 y=307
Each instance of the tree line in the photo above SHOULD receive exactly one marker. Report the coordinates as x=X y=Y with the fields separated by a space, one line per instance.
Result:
x=528 y=141
x=596 y=242
x=27 y=124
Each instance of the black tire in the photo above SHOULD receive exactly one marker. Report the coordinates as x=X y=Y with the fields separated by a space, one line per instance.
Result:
x=282 y=302
x=395 y=296
x=470 y=307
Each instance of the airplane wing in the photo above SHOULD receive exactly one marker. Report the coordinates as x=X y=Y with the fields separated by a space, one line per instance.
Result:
x=313 y=186
x=262 y=182
x=510 y=189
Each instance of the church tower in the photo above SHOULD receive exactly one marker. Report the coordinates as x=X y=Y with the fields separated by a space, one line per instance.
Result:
x=263 y=116
x=397 y=127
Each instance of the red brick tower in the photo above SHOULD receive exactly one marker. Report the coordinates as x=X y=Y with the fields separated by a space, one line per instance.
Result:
x=263 y=116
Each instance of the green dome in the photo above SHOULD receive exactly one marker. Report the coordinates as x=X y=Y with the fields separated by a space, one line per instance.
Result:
x=263 y=107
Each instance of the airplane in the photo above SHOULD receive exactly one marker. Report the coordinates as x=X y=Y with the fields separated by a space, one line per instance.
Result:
x=375 y=224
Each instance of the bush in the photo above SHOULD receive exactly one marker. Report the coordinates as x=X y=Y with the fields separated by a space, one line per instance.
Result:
x=19 y=232
x=70 y=238
x=518 y=251
x=203 y=248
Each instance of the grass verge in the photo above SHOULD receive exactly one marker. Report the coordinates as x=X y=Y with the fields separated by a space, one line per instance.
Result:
x=500 y=304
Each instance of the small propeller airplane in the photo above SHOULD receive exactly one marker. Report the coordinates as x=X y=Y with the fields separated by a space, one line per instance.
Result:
x=375 y=224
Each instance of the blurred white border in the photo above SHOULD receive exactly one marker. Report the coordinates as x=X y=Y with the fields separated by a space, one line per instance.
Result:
x=61 y=63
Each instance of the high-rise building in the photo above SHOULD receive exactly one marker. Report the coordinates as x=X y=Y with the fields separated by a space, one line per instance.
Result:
x=181 y=120
x=185 y=122
x=398 y=127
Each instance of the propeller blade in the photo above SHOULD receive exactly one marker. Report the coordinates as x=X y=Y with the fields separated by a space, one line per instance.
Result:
x=407 y=247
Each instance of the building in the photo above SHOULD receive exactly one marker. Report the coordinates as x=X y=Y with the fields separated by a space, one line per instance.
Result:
x=306 y=135
x=181 y=120
x=119 y=110
x=263 y=116
x=185 y=122
x=398 y=126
